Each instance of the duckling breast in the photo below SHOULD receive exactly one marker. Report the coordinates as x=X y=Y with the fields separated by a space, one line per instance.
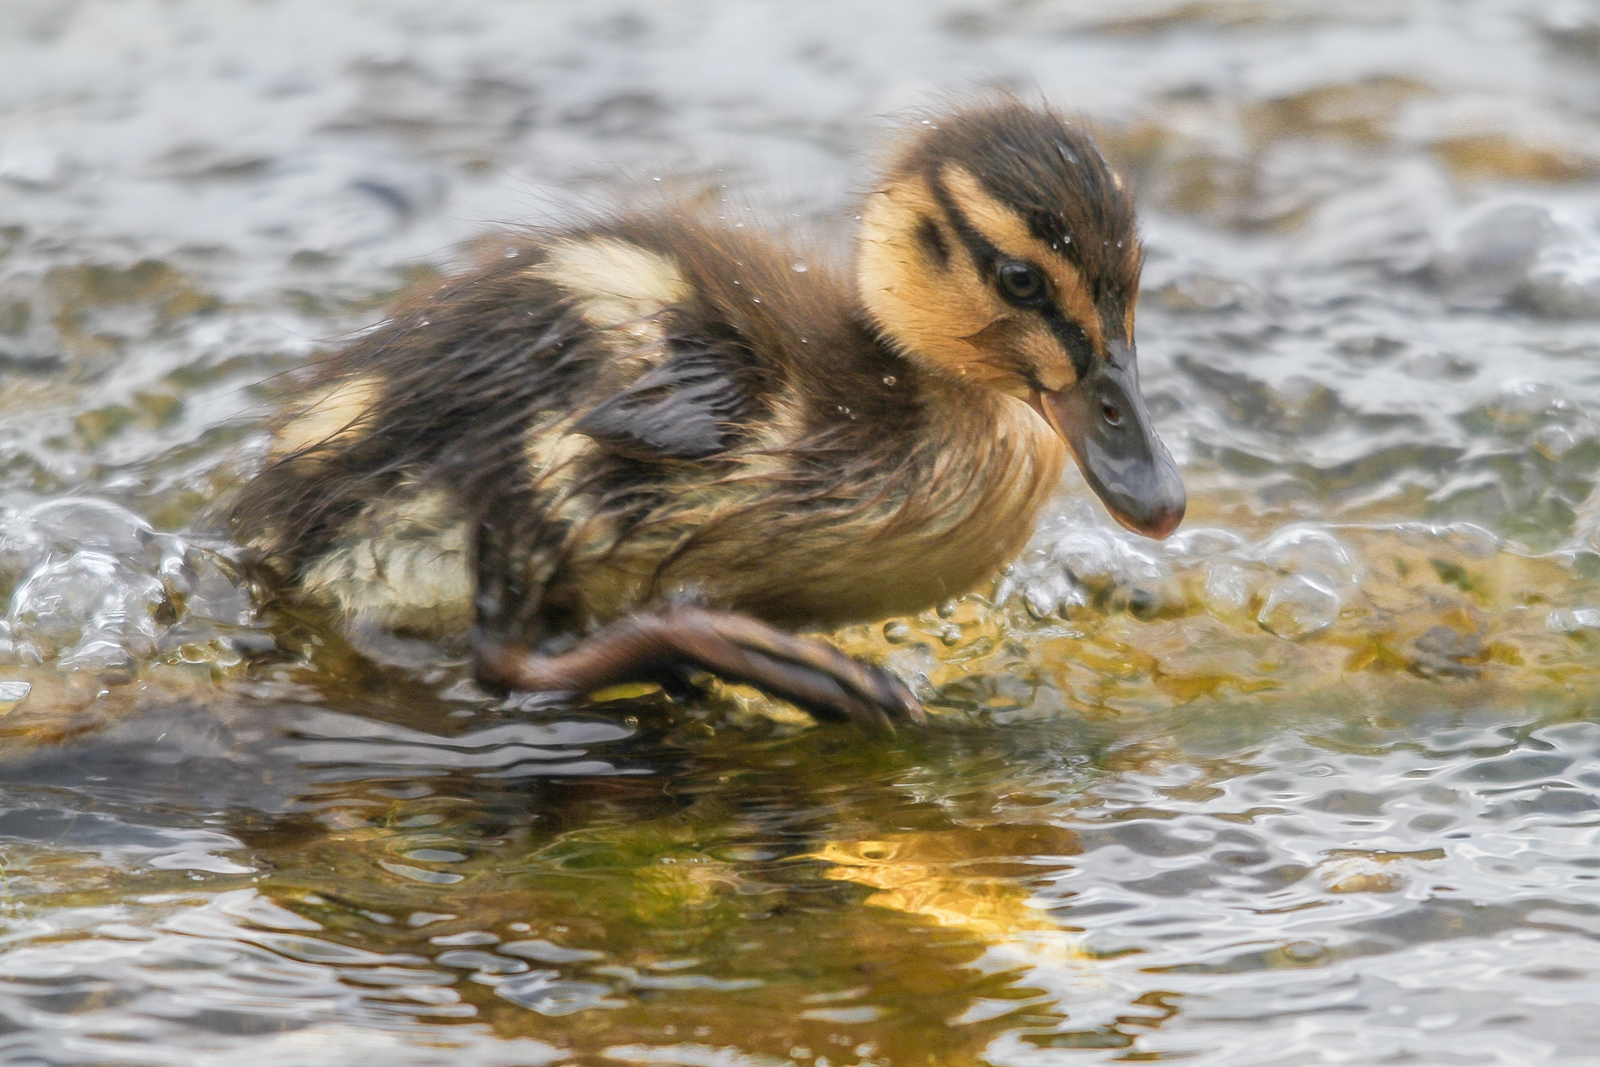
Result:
x=915 y=519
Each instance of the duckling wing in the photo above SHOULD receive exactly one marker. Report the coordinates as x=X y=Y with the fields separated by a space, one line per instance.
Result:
x=689 y=407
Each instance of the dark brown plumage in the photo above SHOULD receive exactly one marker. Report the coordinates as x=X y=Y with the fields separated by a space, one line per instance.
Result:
x=607 y=419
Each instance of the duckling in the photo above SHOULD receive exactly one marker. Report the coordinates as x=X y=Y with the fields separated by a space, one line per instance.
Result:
x=650 y=445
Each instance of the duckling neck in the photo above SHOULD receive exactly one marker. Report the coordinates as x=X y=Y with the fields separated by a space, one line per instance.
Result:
x=1013 y=457
x=990 y=464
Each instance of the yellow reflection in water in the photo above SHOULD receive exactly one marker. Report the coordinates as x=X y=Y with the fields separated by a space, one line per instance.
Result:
x=970 y=879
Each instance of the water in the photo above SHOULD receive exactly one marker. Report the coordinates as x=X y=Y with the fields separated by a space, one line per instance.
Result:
x=1317 y=781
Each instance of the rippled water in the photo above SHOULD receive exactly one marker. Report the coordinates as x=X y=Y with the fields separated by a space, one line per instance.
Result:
x=1316 y=781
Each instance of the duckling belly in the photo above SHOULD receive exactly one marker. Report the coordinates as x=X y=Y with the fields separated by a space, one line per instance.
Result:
x=831 y=574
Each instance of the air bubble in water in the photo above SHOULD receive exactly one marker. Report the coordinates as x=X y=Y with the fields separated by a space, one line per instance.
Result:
x=98 y=588
x=78 y=606
x=1227 y=588
x=67 y=525
x=1298 y=606
x=1307 y=550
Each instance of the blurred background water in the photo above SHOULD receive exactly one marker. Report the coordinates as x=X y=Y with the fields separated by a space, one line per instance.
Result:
x=1316 y=781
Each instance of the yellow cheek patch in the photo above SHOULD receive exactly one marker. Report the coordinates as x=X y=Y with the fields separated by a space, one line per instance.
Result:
x=1050 y=365
x=928 y=310
x=340 y=413
x=1024 y=343
x=1009 y=232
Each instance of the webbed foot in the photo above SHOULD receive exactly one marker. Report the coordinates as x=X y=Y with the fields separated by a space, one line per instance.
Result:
x=811 y=674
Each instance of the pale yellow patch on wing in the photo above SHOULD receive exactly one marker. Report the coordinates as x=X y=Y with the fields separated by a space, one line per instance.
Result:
x=616 y=283
x=553 y=448
x=338 y=413
x=782 y=429
x=402 y=564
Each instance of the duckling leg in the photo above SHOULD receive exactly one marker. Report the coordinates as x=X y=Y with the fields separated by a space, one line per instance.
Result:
x=814 y=675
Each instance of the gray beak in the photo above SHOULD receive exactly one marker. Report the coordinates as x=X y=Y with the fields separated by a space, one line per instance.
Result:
x=1104 y=421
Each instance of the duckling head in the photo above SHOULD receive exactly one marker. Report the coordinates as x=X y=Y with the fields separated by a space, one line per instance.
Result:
x=1001 y=249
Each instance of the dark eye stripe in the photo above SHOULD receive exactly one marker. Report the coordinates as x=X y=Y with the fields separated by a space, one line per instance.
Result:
x=988 y=259
x=984 y=255
x=1073 y=338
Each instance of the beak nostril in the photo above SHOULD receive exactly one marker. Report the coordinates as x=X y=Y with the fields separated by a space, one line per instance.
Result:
x=1111 y=413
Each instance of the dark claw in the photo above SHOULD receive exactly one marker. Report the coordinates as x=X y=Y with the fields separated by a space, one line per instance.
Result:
x=677 y=680
x=857 y=691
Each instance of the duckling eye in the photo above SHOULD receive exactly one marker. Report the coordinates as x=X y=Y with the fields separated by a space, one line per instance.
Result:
x=1111 y=413
x=1021 y=284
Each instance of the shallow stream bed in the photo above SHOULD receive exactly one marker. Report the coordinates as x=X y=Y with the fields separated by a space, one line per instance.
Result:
x=1316 y=781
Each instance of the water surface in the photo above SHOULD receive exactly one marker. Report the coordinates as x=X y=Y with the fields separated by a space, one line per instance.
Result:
x=1317 y=781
